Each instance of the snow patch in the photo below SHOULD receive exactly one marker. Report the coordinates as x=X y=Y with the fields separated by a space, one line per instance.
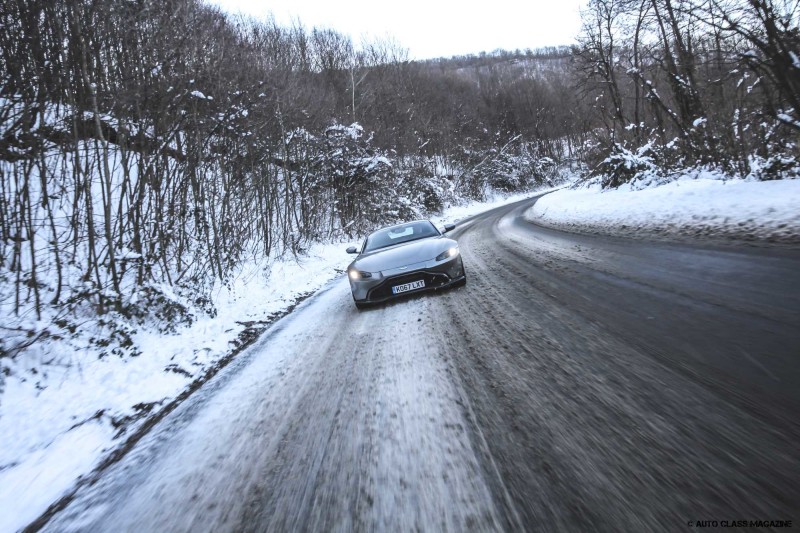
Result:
x=739 y=209
x=199 y=94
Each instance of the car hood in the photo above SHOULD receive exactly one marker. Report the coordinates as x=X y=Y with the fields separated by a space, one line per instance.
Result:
x=403 y=254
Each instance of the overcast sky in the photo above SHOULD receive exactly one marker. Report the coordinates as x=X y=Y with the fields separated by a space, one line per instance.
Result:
x=432 y=28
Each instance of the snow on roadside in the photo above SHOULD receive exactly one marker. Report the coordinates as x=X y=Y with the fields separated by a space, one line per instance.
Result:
x=58 y=411
x=767 y=211
x=57 y=418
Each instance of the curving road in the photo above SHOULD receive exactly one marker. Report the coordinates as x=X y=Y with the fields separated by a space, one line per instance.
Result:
x=575 y=384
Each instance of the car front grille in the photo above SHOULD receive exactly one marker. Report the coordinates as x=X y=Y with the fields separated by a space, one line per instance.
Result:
x=384 y=290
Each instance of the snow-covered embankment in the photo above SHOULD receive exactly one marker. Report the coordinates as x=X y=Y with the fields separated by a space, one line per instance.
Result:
x=765 y=211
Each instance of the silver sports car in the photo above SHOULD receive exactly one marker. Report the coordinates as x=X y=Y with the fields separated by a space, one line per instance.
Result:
x=404 y=259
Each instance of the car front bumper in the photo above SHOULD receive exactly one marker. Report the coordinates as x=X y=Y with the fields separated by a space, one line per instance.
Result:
x=436 y=274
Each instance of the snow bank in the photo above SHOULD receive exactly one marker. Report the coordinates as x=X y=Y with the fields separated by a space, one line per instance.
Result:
x=736 y=209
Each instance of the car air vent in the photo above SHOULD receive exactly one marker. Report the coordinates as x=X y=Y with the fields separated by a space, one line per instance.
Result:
x=384 y=290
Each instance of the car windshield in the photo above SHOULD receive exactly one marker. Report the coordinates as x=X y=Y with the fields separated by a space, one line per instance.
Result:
x=400 y=234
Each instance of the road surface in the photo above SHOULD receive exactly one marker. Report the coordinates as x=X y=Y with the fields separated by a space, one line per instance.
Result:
x=575 y=384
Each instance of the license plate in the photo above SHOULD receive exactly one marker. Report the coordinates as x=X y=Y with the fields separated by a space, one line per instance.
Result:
x=405 y=287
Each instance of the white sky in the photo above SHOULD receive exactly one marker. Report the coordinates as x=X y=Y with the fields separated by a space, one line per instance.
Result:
x=432 y=28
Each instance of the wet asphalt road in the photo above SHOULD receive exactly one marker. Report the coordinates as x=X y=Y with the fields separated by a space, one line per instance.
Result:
x=575 y=384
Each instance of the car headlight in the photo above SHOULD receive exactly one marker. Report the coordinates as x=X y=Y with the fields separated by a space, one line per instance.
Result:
x=358 y=274
x=447 y=254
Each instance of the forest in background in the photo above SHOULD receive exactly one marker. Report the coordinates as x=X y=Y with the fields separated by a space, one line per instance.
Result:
x=687 y=84
x=149 y=149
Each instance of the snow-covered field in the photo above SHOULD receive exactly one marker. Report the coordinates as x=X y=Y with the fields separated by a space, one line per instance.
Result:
x=759 y=211
x=61 y=413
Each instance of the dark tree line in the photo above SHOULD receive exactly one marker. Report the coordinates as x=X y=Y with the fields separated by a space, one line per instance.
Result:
x=694 y=82
x=154 y=143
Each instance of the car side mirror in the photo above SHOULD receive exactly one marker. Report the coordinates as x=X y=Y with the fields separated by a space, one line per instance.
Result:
x=352 y=250
x=449 y=227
